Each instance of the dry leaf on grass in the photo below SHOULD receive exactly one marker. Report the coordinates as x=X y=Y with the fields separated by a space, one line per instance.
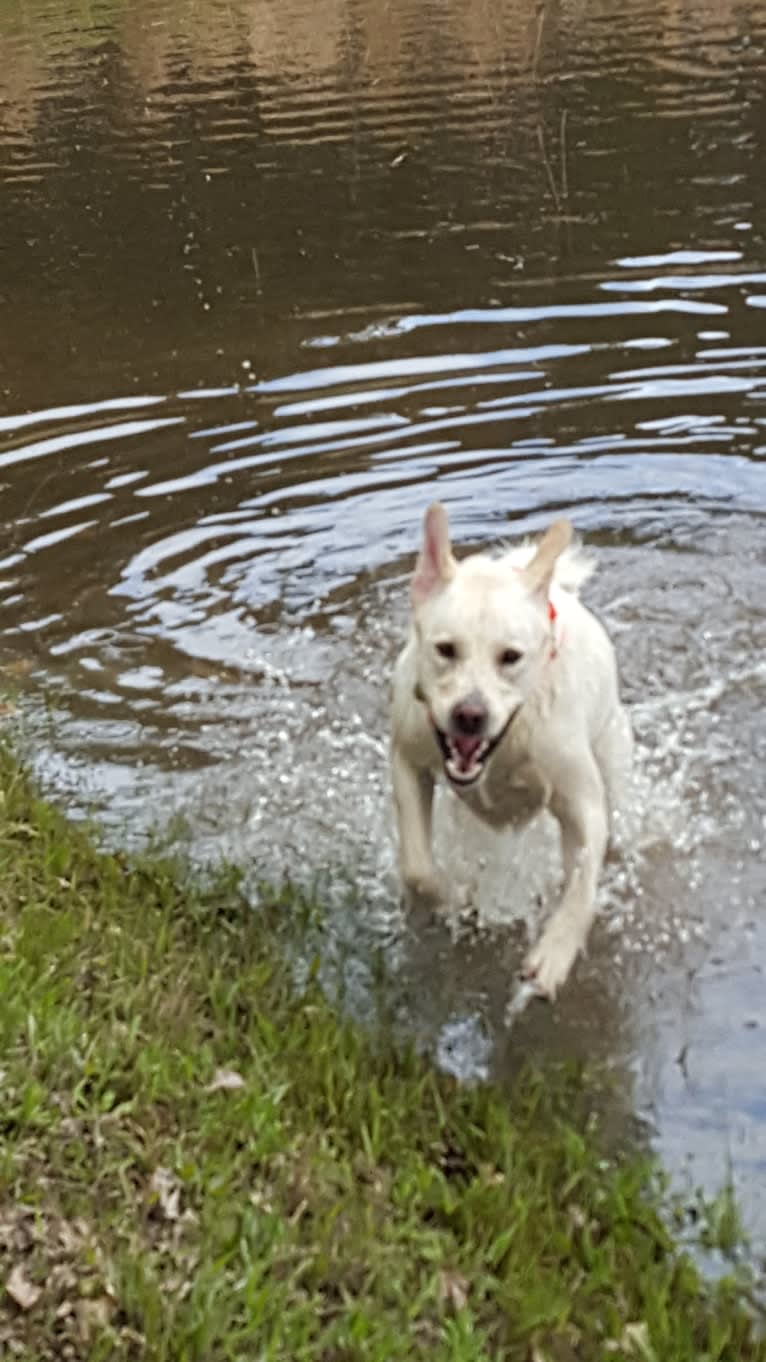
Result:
x=556 y=1348
x=225 y=1080
x=635 y=1342
x=165 y=1193
x=21 y=1291
x=93 y=1316
x=635 y=1339
x=453 y=1288
x=22 y=666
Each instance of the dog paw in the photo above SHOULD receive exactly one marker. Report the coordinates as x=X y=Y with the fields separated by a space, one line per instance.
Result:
x=550 y=961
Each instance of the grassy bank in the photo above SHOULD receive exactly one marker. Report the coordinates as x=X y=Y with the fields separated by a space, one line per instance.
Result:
x=195 y=1164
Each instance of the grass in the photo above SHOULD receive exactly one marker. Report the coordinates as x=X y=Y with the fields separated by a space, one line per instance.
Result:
x=196 y=1164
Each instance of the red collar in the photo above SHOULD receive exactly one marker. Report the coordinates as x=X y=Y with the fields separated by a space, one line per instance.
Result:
x=553 y=616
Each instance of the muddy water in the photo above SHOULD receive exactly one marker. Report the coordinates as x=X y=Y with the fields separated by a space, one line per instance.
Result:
x=273 y=276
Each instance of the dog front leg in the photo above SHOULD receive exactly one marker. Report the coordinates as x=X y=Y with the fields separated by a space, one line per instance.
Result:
x=413 y=797
x=584 y=829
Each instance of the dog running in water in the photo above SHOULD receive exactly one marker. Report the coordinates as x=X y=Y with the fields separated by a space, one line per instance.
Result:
x=508 y=689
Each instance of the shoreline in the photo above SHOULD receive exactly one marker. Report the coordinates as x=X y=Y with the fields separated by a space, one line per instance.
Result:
x=199 y=1163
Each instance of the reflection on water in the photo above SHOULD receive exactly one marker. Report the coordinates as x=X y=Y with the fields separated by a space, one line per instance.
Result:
x=268 y=285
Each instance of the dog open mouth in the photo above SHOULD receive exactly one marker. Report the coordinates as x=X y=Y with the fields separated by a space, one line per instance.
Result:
x=465 y=756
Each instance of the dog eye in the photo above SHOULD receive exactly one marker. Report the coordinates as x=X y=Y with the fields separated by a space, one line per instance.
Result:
x=510 y=656
x=447 y=650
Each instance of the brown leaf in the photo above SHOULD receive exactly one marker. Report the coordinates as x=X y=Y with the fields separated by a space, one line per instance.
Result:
x=577 y=1216
x=453 y=1288
x=165 y=1193
x=70 y=1238
x=22 y=666
x=93 y=1316
x=21 y=1291
x=7 y=709
x=225 y=1080
x=491 y=1175
x=635 y=1340
x=555 y=1348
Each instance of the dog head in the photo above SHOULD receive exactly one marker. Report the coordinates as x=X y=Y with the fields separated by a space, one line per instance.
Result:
x=483 y=634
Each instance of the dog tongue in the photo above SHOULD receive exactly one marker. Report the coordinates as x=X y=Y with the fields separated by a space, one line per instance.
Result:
x=466 y=749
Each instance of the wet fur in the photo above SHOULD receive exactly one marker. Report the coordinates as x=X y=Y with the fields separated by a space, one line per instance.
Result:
x=568 y=744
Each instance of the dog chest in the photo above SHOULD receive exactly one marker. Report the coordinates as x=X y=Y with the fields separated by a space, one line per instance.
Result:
x=506 y=797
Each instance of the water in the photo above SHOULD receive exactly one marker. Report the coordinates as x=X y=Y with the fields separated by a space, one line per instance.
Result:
x=269 y=283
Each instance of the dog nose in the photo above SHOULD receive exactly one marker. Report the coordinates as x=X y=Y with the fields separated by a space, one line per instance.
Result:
x=469 y=718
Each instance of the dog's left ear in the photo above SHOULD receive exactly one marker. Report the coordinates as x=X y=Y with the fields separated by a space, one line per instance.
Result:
x=539 y=572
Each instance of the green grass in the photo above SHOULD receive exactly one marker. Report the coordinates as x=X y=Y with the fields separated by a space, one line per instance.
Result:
x=342 y=1202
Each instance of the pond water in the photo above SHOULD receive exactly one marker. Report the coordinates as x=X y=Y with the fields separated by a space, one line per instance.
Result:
x=272 y=278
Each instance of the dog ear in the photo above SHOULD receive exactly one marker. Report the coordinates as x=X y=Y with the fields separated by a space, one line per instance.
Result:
x=435 y=566
x=539 y=571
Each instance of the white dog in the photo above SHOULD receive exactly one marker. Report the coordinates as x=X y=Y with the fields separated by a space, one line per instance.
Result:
x=508 y=687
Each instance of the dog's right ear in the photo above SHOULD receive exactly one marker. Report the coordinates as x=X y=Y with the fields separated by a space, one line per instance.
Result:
x=435 y=566
x=540 y=571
